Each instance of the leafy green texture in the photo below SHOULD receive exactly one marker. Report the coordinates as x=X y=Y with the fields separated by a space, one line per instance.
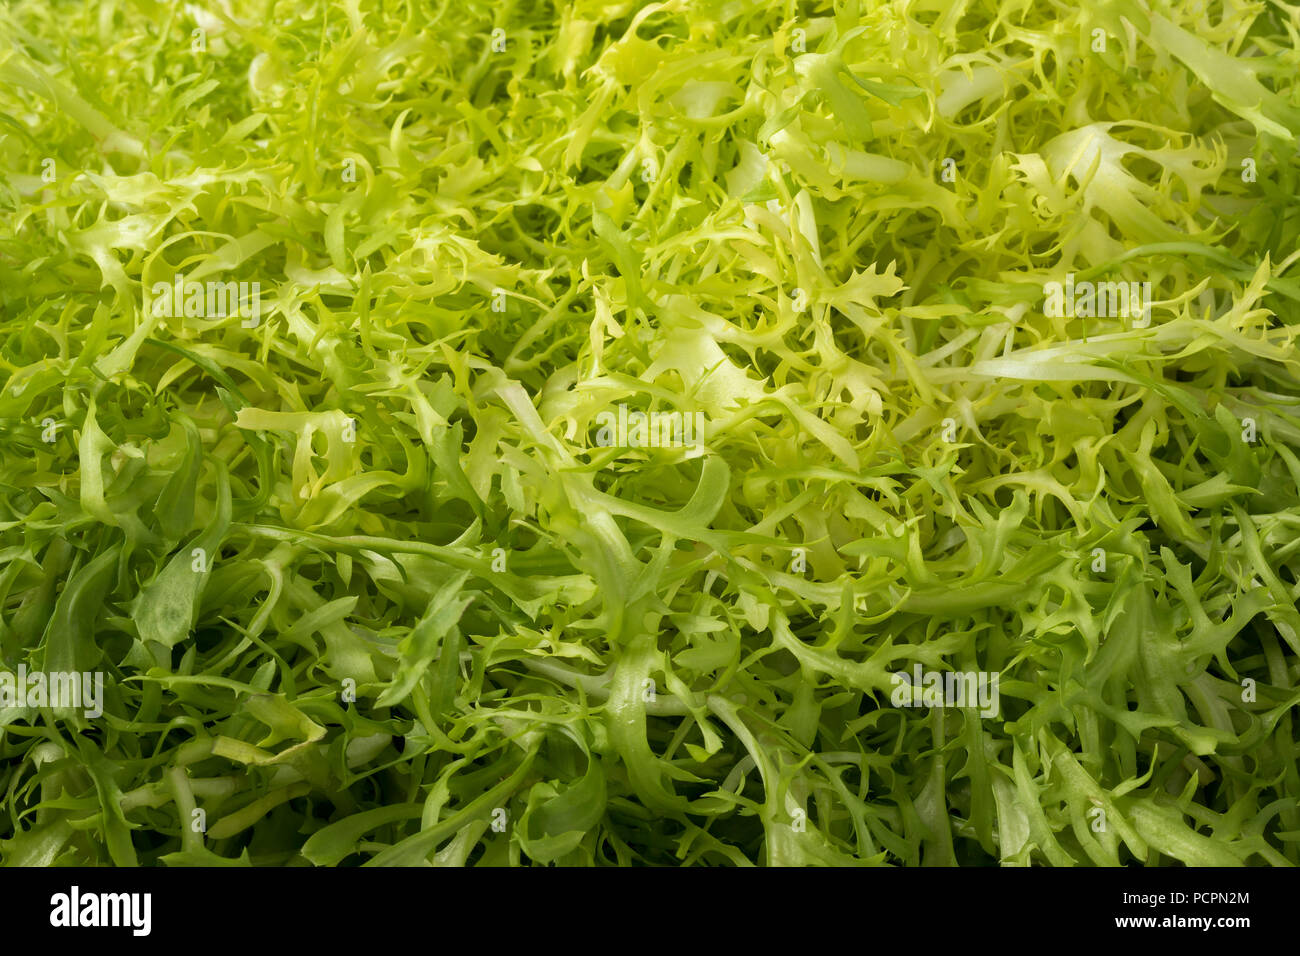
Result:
x=365 y=587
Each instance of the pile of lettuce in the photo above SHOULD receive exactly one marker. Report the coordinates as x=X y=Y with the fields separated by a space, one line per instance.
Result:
x=364 y=586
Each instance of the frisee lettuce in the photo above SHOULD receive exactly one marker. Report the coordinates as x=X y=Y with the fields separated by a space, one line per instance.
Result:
x=368 y=587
